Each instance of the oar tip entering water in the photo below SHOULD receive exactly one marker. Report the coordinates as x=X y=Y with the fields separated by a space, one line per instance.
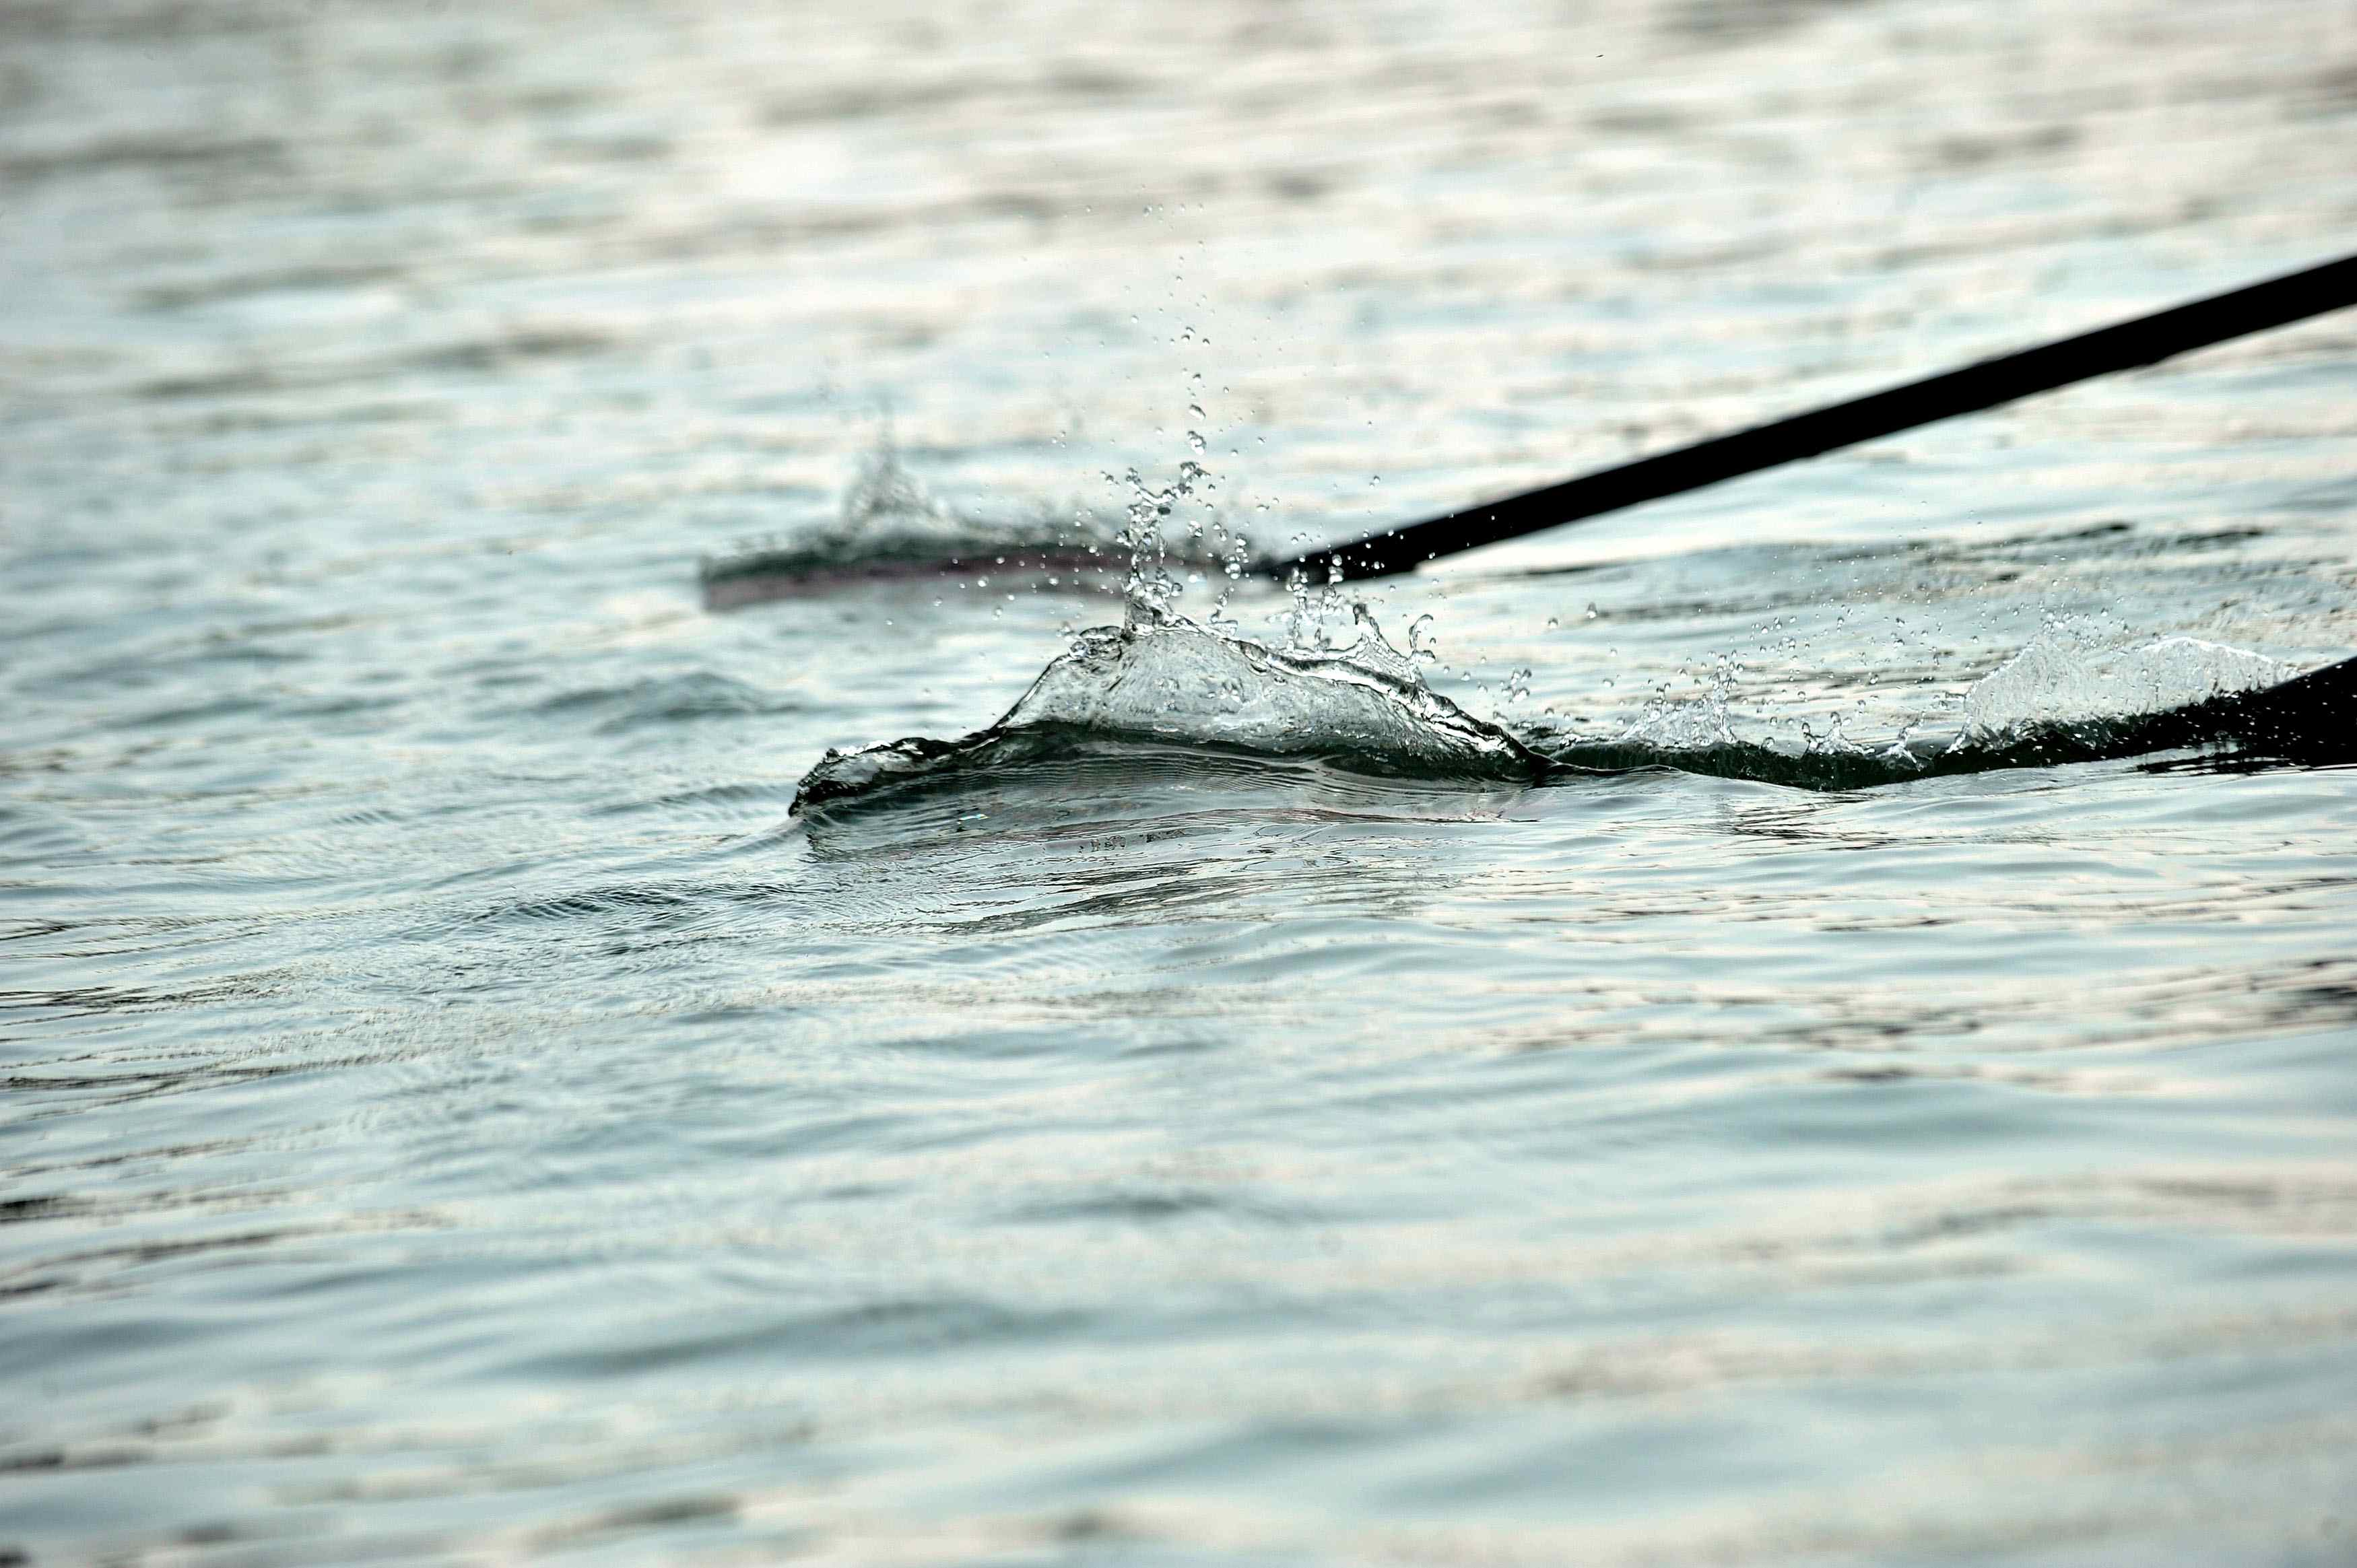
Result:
x=2146 y=341
x=2310 y=715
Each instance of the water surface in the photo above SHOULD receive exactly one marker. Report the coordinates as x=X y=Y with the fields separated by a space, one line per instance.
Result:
x=453 y=1111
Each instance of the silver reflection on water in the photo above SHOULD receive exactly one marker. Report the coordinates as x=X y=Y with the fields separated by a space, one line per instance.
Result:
x=451 y=1108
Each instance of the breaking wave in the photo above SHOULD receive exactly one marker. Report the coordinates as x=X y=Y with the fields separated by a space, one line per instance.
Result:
x=1170 y=679
x=1164 y=680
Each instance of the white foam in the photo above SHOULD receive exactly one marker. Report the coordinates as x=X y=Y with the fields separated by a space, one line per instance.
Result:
x=1175 y=680
x=2065 y=678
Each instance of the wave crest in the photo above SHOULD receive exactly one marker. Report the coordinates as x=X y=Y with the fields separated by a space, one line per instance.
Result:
x=1175 y=680
x=2065 y=678
x=1164 y=680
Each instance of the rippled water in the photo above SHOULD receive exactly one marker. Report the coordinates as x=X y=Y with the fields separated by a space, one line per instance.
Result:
x=453 y=1110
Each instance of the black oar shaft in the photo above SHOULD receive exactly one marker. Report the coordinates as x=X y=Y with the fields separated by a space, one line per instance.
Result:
x=2143 y=341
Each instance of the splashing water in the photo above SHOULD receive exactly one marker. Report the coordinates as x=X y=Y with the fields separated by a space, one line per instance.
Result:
x=1179 y=680
x=1693 y=725
x=890 y=525
x=1171 y=680
x=1151 y=591
x=884 y=498
x=1362 y=705
x=2066 y=676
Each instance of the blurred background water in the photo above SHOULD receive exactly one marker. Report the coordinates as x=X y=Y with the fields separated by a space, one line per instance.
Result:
x=449 y=1110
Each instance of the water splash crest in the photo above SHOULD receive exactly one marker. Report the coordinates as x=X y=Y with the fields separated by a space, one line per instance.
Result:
x=2067 y=676
x=1165 y=678
x=1162 y=679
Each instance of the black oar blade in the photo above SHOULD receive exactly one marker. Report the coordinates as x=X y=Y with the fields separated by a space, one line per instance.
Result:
x=2312 y=717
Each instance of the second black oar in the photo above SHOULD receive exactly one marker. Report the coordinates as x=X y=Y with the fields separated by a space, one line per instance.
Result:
x=2143 y=341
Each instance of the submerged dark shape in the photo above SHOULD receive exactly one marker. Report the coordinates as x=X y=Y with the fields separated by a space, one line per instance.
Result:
x=891 y=529
x=2312 y=718
x=2309 y=720
x=1363 y=710
x=823 y=566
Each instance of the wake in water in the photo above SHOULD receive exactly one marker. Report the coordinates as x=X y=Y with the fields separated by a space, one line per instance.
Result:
x=889 y=526
x=1162 y=679
x=2065 y=698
